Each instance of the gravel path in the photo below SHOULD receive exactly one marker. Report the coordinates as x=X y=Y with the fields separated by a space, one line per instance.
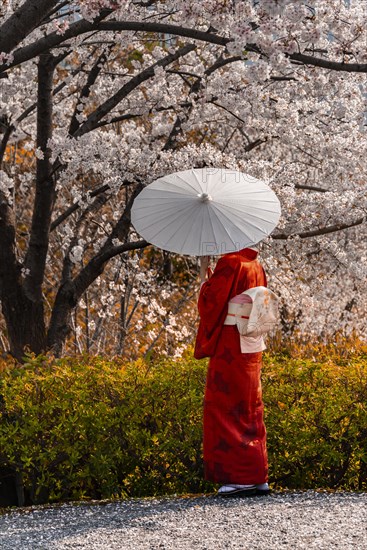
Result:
x=288 y=520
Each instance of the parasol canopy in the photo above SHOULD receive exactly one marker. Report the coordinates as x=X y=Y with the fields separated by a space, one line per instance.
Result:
x=206 y=211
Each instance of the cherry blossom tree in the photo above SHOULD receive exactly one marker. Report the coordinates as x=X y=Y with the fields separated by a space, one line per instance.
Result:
x=99 y=98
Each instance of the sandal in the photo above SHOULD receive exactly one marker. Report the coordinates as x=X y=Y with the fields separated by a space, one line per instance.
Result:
x=237 y=490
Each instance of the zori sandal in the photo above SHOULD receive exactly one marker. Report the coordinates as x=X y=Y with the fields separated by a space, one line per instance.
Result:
x=237 y=490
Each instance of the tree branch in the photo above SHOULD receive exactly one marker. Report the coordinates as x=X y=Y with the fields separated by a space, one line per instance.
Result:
x=49 y=41
x=120 y=118
x=125 y=90
x=228 y=111
x=71 y=290
x=255 y=144
x=327 y=64
x=23 y=21
x=74 y=207
x=91 y=79
x=56 y=90
x=321 y=231
x=4 y=142
x=96 y=265
x=311 y=188
x=120 y=249
x=283 y=78
x=122 y=227
x=251 y=144
x=195 y=88
x=81 y=27
x=91 y=209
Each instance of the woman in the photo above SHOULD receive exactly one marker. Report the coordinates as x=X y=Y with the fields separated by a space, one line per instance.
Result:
x=234 y=432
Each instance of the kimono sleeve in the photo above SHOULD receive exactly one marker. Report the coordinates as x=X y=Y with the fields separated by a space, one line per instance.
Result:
x=213 y=306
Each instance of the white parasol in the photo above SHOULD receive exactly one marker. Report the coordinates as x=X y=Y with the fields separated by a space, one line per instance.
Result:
x=208 y=211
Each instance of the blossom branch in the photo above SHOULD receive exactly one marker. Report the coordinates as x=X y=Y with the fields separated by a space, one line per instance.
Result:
x=127 y=88
x=85 y=92
x=311 y=188
x=71 y=290
x=320 y=231
x=83 y=26
x=74 y=207
x=195 y=88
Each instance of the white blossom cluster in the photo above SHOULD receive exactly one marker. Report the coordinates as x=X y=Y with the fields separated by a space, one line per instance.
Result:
x=135 y=313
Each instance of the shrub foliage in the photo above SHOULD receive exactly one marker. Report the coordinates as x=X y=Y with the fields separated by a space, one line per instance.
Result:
x=87 y=428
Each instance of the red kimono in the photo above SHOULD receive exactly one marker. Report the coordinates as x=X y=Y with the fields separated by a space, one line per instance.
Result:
x=234 y=430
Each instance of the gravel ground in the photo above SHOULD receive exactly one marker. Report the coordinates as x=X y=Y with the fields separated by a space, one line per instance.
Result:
x=282 y=520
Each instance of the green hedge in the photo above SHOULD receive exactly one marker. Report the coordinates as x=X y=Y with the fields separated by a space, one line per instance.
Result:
x=81 y=428
x=316 y=417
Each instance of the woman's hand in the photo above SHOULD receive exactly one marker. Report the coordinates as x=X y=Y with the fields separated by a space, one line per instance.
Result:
x=204 y=265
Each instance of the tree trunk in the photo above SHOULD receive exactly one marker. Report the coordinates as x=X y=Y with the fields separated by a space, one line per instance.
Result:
x=22 y=301
x=25 y=322
x=24 y=317
x=59 y=327
x=35 y=259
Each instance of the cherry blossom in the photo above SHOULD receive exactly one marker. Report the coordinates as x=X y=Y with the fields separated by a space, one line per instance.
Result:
x=139 y=89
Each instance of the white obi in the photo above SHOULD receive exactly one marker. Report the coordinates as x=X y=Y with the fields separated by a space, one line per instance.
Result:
x=254 y=312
